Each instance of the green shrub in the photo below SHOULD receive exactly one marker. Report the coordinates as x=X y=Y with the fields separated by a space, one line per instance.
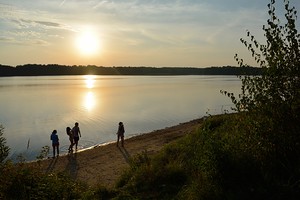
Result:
x=271 y=101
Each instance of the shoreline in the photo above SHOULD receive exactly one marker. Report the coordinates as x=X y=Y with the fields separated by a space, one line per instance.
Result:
x=103 y=164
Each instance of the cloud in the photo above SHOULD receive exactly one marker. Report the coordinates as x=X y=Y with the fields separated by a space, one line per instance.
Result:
x=21 y=26
x=62 y=3
x=99 y=4
x=163 y=26
x=40 y=42
x=49 y=24
x=25 y=18
x=6 y=39
x=24 y=41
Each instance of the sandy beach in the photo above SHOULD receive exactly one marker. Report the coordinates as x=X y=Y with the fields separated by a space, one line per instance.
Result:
x=103 y=164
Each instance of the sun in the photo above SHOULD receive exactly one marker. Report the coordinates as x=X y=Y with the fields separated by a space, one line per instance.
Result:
x=88 y=43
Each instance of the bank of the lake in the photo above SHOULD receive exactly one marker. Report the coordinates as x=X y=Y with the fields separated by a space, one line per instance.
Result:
x=104 y=164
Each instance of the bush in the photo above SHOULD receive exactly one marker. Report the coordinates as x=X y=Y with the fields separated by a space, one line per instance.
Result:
x=4 y=150
x=272 y=101
x=224 y=159
x=21 y=182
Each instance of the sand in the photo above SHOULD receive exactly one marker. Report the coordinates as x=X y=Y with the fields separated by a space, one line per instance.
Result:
x=103 y=165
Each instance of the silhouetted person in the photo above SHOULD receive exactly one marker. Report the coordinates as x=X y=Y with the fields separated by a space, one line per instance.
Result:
x=76 y=134
x=55 y=142
x=71 y=138
x=120 y=133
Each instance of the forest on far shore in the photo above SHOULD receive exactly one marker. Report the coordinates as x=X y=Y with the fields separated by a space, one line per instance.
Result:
x=55 y=69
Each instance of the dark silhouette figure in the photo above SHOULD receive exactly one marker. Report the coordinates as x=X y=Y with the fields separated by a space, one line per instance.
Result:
x=55 y=142
x=76 y=134
x=71 y=138
x=120 y=133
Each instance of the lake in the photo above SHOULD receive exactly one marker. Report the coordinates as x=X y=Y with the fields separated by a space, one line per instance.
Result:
x=31 y=107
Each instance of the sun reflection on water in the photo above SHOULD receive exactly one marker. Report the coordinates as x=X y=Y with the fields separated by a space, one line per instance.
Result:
x=89 y=81
x=89 y=100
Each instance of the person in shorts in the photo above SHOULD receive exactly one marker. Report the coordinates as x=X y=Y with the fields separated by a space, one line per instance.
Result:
x=76 y=134
x=71 y=138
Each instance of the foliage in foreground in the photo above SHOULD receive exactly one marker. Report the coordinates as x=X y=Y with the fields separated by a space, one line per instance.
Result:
x=18 y=181
x=272 y=100
x=223 y=160
x=4 y=149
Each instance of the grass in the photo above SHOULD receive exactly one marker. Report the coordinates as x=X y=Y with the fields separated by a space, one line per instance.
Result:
x=225 y=159
x=229 y=157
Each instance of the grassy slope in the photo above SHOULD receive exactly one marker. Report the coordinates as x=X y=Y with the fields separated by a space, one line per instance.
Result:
x=223 y=160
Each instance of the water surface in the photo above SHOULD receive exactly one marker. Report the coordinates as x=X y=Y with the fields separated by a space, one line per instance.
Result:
x=31 y=107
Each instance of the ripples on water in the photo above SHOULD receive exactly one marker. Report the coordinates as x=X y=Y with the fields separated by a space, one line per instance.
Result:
x=31 y=107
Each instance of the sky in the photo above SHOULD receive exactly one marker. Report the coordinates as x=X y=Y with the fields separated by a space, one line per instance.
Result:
x=156 y=33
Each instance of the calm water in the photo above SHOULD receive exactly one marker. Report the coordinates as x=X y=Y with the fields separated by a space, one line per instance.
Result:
x=31 y=107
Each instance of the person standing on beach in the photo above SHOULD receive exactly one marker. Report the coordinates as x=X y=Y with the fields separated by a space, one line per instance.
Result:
x=71 y=138
x=120 y=134
x=76 y=134
x=55 y=142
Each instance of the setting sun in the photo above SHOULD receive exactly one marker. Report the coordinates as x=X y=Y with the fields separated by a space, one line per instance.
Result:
x=88 y=43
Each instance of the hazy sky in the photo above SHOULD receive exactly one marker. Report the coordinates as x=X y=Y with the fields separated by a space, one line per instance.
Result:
x=195 y=33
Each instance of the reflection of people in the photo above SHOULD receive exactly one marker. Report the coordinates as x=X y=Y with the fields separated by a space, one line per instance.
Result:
x=71 y=138
x=120 y=133
x=76 y=134
x=55 y=142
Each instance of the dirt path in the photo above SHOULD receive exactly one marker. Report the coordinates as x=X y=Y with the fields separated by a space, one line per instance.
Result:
x=104 y=164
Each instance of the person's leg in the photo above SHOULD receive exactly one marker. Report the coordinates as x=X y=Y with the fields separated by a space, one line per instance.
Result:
x=53 y=150
x=71 y=145
x=118 y=140
x=122 y=139
x=76 y=142
x=57 y=147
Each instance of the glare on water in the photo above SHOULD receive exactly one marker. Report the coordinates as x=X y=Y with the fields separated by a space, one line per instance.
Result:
x=31 y=107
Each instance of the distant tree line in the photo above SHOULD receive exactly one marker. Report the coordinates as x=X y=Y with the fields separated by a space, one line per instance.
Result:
x=55 y=69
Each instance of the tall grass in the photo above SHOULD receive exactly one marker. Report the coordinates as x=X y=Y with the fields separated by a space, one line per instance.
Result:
x=21 y=182
x=224 y=159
